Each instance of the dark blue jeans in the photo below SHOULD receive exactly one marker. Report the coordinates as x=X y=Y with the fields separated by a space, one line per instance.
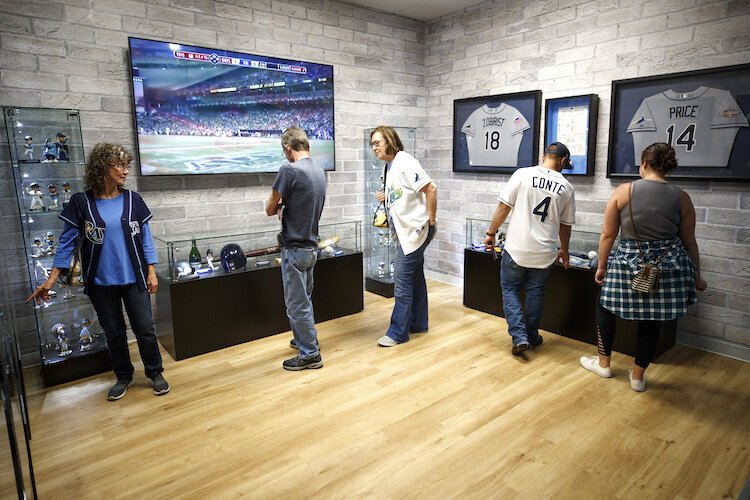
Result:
x=108 y=302
x=512 y=278
x=410 y=293
x=297 y=265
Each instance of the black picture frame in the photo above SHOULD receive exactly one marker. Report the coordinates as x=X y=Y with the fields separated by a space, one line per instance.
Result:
x=516 y=114
x=579 y=115
x=703 y=114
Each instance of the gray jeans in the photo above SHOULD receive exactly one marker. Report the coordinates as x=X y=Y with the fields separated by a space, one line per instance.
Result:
x=297 y=266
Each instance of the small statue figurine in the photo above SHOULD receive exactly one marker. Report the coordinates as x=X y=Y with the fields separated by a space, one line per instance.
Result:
x=66 y=194
x=62 y=346
x=37 y=250
x=62 y=148
x=28 y=148
x=37 y=197
x=381 y=269
x=50 y=151
x=53 y=195
x=50 y=239
x=210 y=259
x=86 y=339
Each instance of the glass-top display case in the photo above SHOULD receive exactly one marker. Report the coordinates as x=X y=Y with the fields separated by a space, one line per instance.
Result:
x=582 y=248
x=380 y=242
x=48 y=167
x=189 y=258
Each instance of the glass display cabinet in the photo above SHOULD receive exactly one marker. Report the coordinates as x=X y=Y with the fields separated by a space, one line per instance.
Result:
x=235 y=296
x=222 y=253
x=48 y=166
x=380 y=242
x=570 y=296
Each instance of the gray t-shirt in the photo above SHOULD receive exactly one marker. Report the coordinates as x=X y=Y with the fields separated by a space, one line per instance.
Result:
x=302 y=185
x=656 y=210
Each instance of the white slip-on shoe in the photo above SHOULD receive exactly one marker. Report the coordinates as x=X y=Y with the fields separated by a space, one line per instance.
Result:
x=636 y=385
x=591 y=363
x=386 y=341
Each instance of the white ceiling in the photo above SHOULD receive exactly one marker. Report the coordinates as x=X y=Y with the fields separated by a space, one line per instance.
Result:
x=422 y=10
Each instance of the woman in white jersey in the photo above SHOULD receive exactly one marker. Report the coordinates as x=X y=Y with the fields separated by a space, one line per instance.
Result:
x=410 y=199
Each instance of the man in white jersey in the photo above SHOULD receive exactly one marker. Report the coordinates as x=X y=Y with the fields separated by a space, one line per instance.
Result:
x=700 y=125
x=493 y=136
x=543 y=205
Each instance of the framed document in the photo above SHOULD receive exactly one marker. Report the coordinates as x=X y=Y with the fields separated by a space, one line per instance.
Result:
x=702 y=114
x=572 y=121
x=496 y=134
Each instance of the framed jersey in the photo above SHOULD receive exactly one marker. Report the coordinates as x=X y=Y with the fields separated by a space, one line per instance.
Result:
x=702 y=114
x=496 y=134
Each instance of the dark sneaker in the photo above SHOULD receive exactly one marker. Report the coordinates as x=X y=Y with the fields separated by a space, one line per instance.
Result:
x=536 y=343
x=519 y=348
x=161 y=386
x=293 y=344
x=119 y=389
x=296 y=363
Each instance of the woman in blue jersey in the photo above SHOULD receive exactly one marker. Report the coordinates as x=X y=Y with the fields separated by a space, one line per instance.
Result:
x=117 y=262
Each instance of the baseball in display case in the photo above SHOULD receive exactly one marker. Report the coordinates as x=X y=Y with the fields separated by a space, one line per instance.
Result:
x=702 y=114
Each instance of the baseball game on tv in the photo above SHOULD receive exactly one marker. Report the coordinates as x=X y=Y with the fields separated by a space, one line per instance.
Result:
x=209 y=111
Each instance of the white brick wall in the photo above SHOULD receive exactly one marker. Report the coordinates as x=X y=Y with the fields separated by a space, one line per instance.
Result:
x=72 y=53
x=590 y=44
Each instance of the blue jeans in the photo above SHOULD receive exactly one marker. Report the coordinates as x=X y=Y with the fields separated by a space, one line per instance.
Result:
x=512 y=277
x=410 y=293
x=108 y=302
x=297 y=266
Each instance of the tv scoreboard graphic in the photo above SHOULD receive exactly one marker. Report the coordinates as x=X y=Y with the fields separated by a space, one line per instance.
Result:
x=237 y=61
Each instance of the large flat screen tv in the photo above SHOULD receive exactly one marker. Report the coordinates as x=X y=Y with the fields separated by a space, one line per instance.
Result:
x=210 y=111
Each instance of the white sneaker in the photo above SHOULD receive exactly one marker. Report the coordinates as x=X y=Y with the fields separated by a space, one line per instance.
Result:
x=386 y=341
x=592 y=364
x=636 y=385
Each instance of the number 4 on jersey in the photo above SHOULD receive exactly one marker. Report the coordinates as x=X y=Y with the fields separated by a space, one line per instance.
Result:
x=686 y=137
x=542 y=210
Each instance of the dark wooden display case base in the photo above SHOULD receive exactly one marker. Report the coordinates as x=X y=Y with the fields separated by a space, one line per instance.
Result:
x=570 y=300
x=380 y=287
x=213 y=312
x=76 y=368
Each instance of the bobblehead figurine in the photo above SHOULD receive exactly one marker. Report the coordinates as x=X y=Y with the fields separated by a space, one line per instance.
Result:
x=86 y=339
x=62 y=147
x=37 y=197
x=28 y=149
x=50 y=151
x=37 y=250
x=210 y=259
x=50 y=239
x=62 y=346
x=66 y=194
x=53 y=196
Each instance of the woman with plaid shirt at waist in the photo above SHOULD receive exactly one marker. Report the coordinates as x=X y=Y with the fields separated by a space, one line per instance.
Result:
x=662 y=227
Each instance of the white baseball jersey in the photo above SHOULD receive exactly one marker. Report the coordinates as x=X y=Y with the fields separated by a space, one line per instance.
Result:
x=493 y=136
x=407 y=207
x=541 y=199
x=700 y=125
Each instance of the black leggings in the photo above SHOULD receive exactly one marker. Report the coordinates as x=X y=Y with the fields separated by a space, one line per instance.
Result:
x=647 y=341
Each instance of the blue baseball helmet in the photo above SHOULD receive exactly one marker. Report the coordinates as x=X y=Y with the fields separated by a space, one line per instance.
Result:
x=232 y=257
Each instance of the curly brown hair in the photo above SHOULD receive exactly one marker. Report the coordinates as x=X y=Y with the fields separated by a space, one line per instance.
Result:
x=100 y=158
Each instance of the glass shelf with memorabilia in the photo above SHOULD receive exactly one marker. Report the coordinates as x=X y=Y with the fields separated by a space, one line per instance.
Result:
x=48 y=163
x=570 y=296
x=224 y=289
x=380 y=242
x=214 y=254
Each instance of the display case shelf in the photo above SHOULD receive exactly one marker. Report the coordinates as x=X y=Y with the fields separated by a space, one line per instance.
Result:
x=39 y=220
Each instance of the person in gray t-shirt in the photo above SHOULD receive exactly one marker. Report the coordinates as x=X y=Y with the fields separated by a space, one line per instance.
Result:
x=297 y=197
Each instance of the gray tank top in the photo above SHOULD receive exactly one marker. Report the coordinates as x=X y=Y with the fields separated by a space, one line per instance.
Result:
x=656 y=210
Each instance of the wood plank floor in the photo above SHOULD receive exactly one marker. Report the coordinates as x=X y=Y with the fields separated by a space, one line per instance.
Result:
x=451 y=414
